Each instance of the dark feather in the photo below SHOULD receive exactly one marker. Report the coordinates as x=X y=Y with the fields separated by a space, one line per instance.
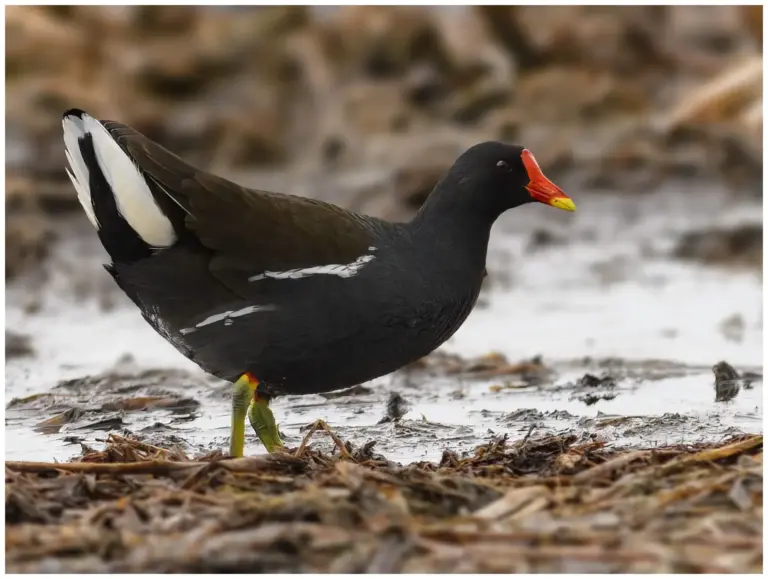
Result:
x=247 y=231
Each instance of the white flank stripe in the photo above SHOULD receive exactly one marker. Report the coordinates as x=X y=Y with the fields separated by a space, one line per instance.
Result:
x=73 y=130
x=134 y=199
x=226 y=317
x=340 y=270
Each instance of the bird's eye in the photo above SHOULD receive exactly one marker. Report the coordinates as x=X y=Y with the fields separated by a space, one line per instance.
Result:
x=502 y=165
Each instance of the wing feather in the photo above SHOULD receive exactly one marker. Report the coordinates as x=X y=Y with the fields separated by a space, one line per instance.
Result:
x=247 y=231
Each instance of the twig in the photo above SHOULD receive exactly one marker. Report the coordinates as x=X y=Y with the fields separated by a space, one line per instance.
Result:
x=139 y=445
x=513 y=501
x=485 y=540
x=321 y=424
x=528 y=434
x=157 y=467
x=199 y=474
x=713 y=454
x=608 y=467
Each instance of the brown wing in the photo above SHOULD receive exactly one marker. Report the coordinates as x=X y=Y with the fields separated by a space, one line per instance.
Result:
x=248 y=231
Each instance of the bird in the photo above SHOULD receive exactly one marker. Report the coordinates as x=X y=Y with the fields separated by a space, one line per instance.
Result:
x=281 y=294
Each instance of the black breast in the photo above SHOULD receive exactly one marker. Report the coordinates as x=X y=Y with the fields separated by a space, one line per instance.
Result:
x=309 y=334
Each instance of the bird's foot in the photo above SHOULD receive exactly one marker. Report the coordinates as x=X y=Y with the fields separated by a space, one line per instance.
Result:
x=321 y=425
x=263 y=423
x=245 y=391
x=242 y=392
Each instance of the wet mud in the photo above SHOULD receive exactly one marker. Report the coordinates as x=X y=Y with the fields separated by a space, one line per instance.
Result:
x=608 y=337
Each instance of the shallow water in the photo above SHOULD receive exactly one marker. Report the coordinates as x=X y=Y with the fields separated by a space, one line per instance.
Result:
x=610 y=291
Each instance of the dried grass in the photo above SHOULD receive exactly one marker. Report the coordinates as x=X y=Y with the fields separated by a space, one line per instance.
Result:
x=540 y=505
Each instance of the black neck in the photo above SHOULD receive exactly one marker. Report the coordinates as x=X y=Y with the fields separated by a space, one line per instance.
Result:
x=450 y=219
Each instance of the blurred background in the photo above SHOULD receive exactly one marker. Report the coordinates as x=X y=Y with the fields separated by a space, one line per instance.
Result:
x=384 y=98
x=650 y=117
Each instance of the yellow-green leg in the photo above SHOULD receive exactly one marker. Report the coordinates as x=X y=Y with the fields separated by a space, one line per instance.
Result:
x=263 y=422
x=260 y=416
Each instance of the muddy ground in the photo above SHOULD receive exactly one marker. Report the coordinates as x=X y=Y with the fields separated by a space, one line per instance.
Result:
x=612 y=334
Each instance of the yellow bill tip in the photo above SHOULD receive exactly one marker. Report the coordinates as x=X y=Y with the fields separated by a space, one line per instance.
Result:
x=564 y=203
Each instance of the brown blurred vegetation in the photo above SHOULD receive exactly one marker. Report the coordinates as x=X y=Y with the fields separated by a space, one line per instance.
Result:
x=617 y=98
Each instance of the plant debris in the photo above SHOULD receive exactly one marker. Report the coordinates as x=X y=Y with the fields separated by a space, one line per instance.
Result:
x=549 y=504
x=397 y=406
x=590 y=399
x=490 y=365
x=357 y=390
x=728 y=381
x=592 y=381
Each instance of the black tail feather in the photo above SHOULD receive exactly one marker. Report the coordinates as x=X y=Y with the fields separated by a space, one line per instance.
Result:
x=119 y=239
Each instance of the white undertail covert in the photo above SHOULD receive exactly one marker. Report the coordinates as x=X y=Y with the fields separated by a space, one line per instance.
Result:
x=133 y=198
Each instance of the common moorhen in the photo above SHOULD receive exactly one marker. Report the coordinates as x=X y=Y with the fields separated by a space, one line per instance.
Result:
x=288 y=295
